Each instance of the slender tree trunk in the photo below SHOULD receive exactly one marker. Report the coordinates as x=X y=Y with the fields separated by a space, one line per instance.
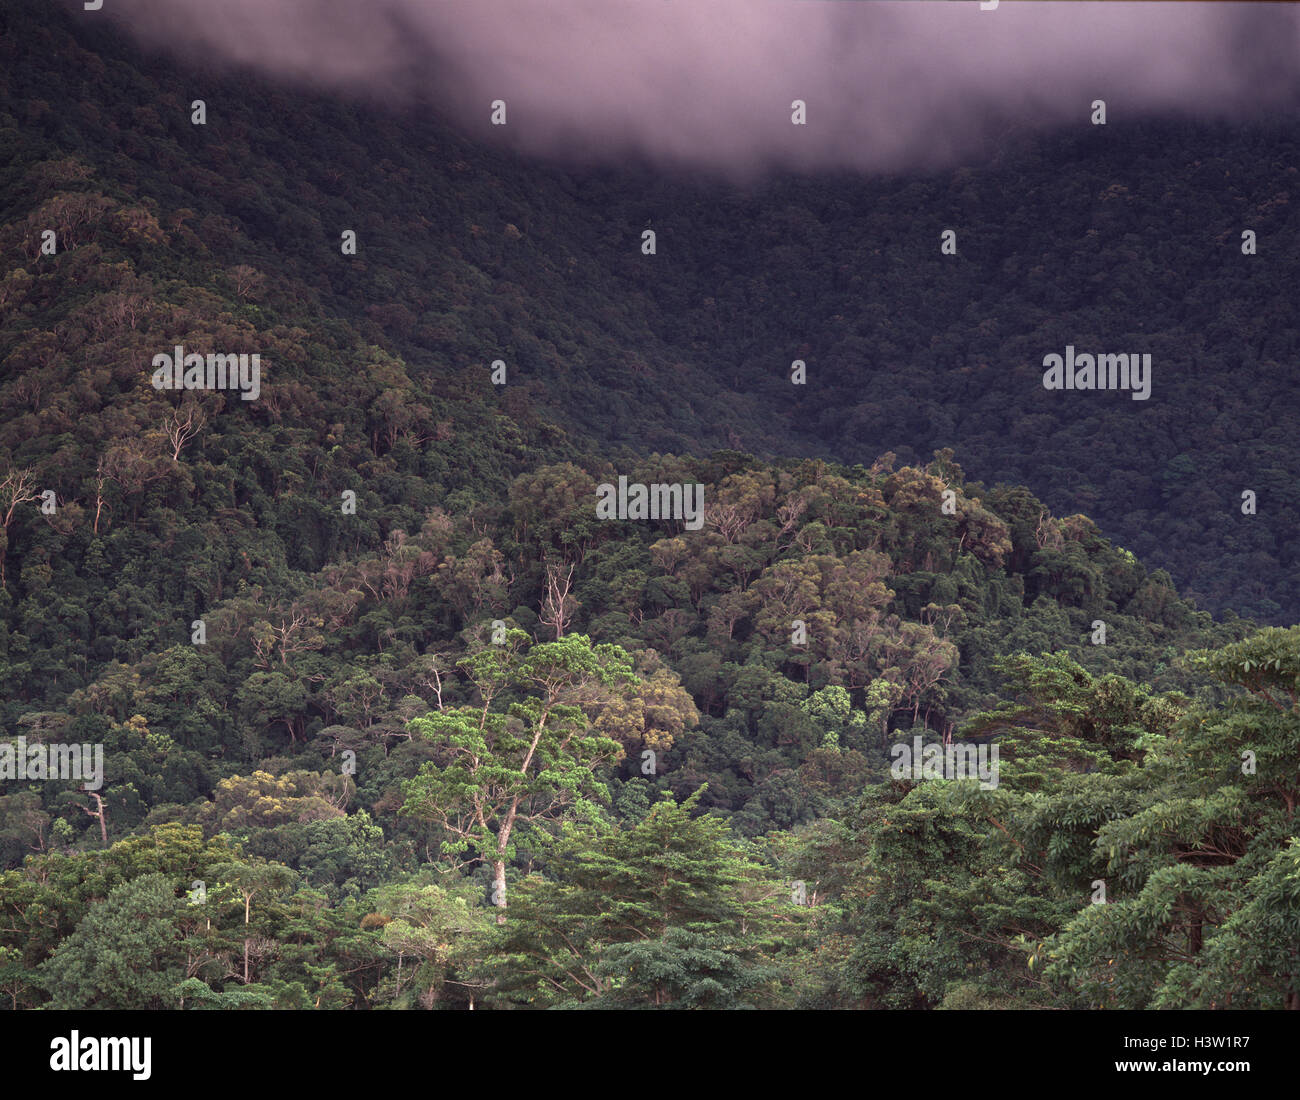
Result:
x=100 y=814
x=99 y=502
x=499 y=889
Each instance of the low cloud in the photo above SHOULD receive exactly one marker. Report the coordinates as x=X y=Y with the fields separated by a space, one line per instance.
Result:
x=889 y=86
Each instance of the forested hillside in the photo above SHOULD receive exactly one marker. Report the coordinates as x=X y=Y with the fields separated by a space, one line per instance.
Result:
x=390 y=718
x=1123 y=238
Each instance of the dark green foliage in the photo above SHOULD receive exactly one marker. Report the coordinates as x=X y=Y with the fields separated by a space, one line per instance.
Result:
x=672 y=745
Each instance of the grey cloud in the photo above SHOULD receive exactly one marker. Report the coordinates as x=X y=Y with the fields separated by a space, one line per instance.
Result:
x=890 y=86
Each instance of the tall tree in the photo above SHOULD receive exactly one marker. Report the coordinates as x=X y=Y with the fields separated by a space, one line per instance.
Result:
x=525 y=754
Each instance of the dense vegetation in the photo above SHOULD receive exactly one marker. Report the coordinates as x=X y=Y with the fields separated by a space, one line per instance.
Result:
x=472 y=745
